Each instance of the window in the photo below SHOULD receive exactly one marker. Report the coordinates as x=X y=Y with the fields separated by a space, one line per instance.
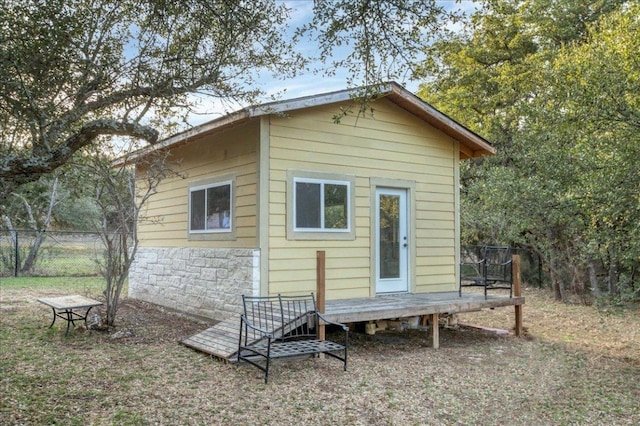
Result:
x=210 y=208
x=320 y=206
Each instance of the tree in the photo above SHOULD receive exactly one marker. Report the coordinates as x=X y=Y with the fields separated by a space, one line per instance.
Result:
x=596 y=96
x=121 y=194
x=74 y=70
x=553 y=84
x=33 y=210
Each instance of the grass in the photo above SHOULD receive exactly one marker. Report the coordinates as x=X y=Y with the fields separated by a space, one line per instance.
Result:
x=576 y=365
x=70 y=264
x=77 y=284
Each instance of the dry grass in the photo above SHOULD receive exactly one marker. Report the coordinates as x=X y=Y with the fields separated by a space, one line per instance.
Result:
x=576 y=365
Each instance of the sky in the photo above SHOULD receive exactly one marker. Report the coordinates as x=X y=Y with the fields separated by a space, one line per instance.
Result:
x=306 y=83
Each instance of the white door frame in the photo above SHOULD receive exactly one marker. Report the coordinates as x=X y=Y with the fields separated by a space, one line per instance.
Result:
x=398 y=250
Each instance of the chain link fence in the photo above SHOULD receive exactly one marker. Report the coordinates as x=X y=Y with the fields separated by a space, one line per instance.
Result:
x=66 y=254
x=59 y=254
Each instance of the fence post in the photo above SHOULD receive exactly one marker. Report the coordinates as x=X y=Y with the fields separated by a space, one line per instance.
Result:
x=16 y=265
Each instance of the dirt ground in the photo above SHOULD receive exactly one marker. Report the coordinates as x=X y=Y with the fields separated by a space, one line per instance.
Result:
x=575 y=365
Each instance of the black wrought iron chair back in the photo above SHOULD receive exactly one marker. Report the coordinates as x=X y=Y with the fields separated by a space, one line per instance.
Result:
x=490 y=267
x=499 y=267
x=264 y=314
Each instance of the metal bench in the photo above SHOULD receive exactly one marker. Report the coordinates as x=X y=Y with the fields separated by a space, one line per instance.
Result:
x=282 y=327
x=490 y=267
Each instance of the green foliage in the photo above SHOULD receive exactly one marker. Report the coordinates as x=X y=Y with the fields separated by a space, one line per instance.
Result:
x=555 y=86
x=74 y=71
x=375 y=41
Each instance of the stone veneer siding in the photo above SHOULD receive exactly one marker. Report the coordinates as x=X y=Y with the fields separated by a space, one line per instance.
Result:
x=206 y=282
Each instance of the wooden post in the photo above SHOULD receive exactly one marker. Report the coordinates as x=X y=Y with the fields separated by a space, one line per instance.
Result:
x=517 y=292
x=435 y=330
x=320 y=289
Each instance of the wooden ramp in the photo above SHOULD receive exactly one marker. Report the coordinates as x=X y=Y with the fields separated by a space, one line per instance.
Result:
x=221 y=340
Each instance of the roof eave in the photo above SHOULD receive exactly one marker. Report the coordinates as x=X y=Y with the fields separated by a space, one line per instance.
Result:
x=199 y=131
x=471 y=144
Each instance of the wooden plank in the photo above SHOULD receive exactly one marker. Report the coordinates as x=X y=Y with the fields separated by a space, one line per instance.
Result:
x=371 y=309
x=435 y=330
x=221 y=340
x=320 y=289
x=517 y=292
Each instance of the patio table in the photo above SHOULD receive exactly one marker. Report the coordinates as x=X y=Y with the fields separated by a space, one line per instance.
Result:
x=66 y=307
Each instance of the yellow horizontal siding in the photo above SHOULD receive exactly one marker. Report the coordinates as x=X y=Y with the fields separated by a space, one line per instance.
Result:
x=435 y=260
x=374 y=149
x=392 y=145
x=438 y=286
x=425 y=270
x=232 y=152
x=346 y=159
x=435 y=251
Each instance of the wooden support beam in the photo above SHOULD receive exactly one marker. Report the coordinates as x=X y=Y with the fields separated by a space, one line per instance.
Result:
x=321 y=299
x=435 y=330
x=517 y=292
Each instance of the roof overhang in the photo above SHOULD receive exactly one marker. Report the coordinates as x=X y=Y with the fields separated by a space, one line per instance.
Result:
x=471 y=144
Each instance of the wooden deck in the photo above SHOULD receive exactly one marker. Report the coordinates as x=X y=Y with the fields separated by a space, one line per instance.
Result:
x=409 y=305
x=221 y=340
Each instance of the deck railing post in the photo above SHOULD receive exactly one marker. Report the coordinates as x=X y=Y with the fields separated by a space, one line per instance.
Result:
x=320 y=289
x=517 y=292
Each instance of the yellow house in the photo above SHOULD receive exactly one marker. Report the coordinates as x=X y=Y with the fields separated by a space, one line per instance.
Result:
x=262 y=190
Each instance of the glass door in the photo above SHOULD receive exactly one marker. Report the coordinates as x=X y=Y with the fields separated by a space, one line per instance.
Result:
x=392 y=241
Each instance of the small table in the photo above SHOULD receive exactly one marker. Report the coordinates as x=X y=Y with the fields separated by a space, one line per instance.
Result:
x=63 y=307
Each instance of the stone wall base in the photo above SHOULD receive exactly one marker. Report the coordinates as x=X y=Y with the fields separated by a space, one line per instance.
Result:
x=205 y=282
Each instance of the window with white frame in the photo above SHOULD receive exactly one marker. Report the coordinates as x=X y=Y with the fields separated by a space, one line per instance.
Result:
x=210 y=208
x=321 y=205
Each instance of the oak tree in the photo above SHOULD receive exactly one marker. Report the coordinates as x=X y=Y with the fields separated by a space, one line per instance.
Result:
x=72 y=71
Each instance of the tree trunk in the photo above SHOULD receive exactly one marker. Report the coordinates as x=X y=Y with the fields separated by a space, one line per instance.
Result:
x=556 y=278
x=30 y=260
x=593 y=279
x=613 y=278
x=554 y=271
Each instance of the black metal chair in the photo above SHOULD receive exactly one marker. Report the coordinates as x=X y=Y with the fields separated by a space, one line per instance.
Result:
x=284 y=326
x=498 y=265
x=489 y=267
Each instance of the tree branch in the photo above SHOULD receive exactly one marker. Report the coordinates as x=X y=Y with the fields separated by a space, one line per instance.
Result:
x=21 y=170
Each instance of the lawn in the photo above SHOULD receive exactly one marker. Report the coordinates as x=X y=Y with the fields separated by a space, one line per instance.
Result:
x=575 y=365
